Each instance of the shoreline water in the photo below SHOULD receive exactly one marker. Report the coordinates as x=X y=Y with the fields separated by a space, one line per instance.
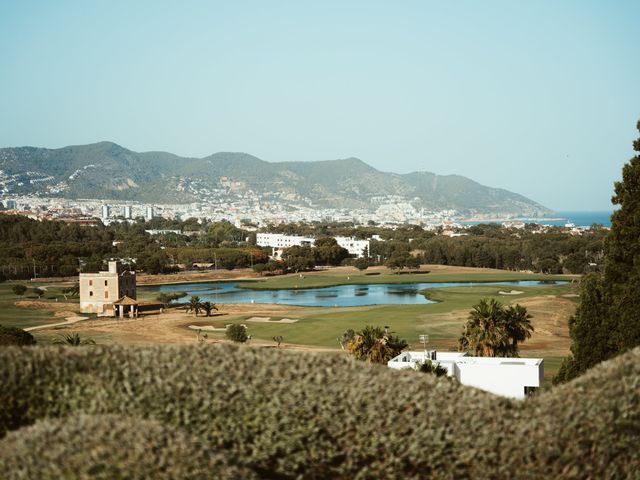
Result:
x=577 y=218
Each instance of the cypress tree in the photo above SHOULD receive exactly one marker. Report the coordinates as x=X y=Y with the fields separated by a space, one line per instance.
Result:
x=608 y=319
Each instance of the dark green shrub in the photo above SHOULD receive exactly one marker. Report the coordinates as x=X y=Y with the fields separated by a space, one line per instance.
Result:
x=237 y=333
x=431 y=368
x=19 y=290
x=15 y=336
x=109 y=447
x=361 y=263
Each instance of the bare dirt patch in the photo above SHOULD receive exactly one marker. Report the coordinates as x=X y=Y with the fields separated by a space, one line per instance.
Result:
x=59 y=309
x=185 y=277
x=551 y=324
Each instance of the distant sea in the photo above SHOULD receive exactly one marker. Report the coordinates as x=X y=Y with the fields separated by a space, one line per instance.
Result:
x=580 y=219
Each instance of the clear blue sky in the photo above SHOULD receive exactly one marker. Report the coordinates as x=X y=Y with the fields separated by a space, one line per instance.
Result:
x=539 y=97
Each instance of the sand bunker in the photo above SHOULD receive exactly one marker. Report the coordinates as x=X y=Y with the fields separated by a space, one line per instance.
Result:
x=512 y=292
x=268 y=320
x=208 y=328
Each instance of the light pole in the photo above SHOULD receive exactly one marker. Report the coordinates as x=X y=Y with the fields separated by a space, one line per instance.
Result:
x=424 y=339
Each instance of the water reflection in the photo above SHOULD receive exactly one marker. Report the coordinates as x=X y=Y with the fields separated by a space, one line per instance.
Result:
x=343 y=295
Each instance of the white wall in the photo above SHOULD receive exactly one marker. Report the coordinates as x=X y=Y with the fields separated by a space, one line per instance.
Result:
x=278 y=240
x=500 y=376
x=282 y=241
x=506 y=379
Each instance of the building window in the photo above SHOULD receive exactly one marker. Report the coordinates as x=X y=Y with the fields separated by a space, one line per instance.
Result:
x=91 y=293
x=126 y=292
x=106 y=294
x=106 y=283
x=90 y=283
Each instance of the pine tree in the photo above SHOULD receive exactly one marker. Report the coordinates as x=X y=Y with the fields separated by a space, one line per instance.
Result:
x=622 y=250
x=608 y=319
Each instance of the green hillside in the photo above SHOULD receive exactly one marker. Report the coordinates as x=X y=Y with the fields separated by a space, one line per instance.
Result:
x=106 y=170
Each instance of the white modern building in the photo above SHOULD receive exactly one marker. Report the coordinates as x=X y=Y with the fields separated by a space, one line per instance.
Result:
x=359 y=248
x=509 y=377
x=279 y=240
x=105 y=212
x=127 y=212
x=148 y=213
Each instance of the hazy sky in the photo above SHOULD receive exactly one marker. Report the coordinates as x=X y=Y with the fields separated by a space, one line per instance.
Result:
x=540 y=97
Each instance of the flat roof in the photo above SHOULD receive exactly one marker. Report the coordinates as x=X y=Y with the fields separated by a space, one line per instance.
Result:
x=462 y=358
x=499 y=361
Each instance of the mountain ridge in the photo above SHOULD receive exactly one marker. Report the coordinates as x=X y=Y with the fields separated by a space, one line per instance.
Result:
x=108 y=170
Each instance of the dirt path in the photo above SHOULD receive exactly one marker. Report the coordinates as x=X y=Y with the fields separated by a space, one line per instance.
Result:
x=68 y=321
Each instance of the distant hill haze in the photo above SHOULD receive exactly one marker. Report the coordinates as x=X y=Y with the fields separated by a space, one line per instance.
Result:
x=106 y=170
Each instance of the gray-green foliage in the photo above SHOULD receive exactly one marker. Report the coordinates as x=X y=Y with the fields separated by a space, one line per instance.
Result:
x=109 y=447
x=303 y=415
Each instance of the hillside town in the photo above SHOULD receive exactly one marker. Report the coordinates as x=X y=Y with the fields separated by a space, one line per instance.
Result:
x=250 y=216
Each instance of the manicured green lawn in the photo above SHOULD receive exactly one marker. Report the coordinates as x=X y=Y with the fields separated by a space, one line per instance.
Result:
x=330 y=279
x=407 y=321
x=14 y=316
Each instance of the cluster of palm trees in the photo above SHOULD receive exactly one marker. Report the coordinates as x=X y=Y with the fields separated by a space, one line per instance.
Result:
x=372 y=344
x=495 y=330
x=196 y=306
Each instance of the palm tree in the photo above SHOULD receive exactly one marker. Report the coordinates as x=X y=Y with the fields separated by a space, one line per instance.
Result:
x=208 y=307
x=73 y=340
x=72 y=291
x=494 y=330
x=194 y=305
x=483 y=333
x=374 y=345
x=518 y=328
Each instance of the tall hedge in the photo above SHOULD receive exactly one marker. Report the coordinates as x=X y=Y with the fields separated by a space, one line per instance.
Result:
x=293 y=415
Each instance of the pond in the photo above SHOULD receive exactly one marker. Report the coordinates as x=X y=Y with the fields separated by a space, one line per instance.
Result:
x=340 y=296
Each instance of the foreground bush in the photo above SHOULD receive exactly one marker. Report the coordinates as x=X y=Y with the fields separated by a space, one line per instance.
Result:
x=109 y=448
x=294 y=415
x=15 y=336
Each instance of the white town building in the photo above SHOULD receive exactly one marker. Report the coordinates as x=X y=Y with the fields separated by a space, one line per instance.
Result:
x=280 y=240
x=506 y=376
x=359 y=248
